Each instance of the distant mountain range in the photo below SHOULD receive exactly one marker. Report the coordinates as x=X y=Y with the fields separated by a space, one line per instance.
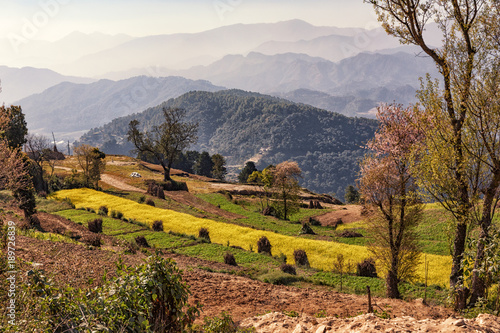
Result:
x=70 y=109
x=291 y=71
x=18 y=83
x=242 y=125
x=353 y=87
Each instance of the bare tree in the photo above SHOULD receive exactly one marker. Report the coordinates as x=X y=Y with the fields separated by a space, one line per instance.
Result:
x=166 y=141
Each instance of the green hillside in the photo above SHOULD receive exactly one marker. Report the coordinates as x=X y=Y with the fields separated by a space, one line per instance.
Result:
x=242 y=125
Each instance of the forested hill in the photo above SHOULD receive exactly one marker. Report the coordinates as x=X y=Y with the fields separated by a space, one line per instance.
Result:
x=242 y=126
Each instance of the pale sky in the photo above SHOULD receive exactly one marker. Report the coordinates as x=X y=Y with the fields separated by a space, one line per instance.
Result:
x=54 y=19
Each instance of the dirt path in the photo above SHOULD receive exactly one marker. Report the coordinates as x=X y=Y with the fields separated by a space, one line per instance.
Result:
x=119 y=184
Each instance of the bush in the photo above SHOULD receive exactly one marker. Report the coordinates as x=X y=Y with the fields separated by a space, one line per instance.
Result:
x=269 y=211
x=264 y=245
x=224 y=324
x=314 y=222
x=229 y=259
x=95 y=226
x=300 y=257
x=142 y=199
x=132 y=247
x=42 y=194
x=146 y=298
x=289 y=269
x=204 y=234
x=150 y=202
x=141 y=241
x=93 y=240
x=367 y=268
x=158 y=225
x=306 y=230
x=103 y=210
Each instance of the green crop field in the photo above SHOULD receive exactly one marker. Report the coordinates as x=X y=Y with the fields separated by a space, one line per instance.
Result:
x=321 y=253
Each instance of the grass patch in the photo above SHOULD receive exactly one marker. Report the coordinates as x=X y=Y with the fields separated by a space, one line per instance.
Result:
x=46 y=236
x=251 y=210
x=215 y=252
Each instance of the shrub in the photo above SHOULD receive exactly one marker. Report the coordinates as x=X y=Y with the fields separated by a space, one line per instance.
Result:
x=95 y=226
x=42 y=194
x=314 y=222
x=146 y=298
x=103 y=210
x=306 y=230
x=264 y=245
x=142 y=198
x=270 y=211
x=224 y=324
x=204 y=234
x=229 y=259
x=90 y=210
x=300 y=257
x=158 y=225
x=93 y=240
x=289 y=269
x=367 y=268
x=112 y=214
x=141 y=241
x=132 y=247
x=150 y=202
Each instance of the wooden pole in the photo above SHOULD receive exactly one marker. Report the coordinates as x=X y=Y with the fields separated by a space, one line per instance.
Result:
x=370 y=307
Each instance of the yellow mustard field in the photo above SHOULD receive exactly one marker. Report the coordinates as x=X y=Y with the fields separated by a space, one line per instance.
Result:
x=321 y=254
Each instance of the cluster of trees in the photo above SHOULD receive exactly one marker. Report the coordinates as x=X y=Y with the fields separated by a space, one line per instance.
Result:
x=280 y=187
x=238 y=125
x=446 y=148
x=165 y=145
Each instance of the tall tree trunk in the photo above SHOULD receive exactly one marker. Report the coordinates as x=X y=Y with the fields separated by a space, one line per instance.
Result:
x=478 y=282
x=458 y=251
x=392 y=282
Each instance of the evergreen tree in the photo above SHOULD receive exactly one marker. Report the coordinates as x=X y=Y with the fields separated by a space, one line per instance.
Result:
x=247 y=171
x=204 y=165
x=219 y=167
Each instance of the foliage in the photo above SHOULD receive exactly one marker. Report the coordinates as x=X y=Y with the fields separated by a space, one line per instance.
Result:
x=264 y=245
x=92 y=162
x=229 y=259
x=204 y=233
x=458 y=166
x=204 y=165
x=147 y=298
x=247 y=170
x=95 y=226
x=166 y=141
x=13 y=127
x=387 y=185
x=289 y=269
x=223 y=324
x=157 y=225
x=237 y=124
x=286 y=187
x=366 y=268
x=300 y=257
x=351 y=195
x=219 y=170
x=141 y=241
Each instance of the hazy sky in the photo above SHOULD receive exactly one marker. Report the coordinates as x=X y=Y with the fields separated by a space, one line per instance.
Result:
x=53 y=19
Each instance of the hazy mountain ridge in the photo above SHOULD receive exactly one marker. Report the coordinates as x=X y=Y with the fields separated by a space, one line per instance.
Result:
x=18 y=83
x=68 y=108
x=283 y=73
x=239 y=124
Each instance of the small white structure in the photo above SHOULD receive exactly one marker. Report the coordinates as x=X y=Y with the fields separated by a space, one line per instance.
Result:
x=135 y=175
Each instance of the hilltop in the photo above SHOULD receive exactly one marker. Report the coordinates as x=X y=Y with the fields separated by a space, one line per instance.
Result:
x=241 y=125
